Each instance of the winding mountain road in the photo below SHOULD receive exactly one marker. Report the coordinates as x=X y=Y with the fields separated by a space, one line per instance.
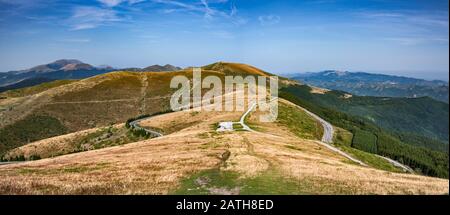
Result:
x=328 y=131
x=327 y=140
x=135 y=125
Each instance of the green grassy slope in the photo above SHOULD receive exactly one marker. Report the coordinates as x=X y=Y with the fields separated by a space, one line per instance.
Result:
x=299 y=123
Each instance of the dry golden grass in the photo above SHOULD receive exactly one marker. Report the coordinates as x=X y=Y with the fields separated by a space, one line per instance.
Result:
x=191 y=145
x=73 y=142
x=49 y=147
x=236 y=69
x=157 y=166
x=148 y=167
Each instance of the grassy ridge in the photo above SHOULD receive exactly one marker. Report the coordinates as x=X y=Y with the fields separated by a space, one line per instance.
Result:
x=98 y=101
x=29 y=129
x=429 y=162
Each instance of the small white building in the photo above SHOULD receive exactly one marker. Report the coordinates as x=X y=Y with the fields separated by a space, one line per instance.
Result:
x=225 y=126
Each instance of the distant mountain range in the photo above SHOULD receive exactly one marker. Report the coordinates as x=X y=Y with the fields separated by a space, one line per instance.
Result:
x=154 y=68
x=60 y=69
x=63 y=69
x=366 y=84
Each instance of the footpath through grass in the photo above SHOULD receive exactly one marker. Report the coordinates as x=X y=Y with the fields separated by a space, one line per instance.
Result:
x=214 y=181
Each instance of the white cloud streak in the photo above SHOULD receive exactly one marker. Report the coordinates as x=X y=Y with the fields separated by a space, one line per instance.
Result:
x=408 y=27
x=204 y=7
x=92 y=17
x=113 y=3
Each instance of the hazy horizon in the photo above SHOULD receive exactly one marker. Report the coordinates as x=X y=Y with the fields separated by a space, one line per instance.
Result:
x=405 y=38
x=430 y=76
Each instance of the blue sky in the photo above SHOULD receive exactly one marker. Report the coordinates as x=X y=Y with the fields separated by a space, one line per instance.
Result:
x=280 y=36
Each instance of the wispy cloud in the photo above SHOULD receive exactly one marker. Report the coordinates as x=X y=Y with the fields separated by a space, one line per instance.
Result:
x=205 y=7
x=92 y=17
x=113 y=3
x=382 y=15
x=407 y=27
x=181 y=5
x=269 y=20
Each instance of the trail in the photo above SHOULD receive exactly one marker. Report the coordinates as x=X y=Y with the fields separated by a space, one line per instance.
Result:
x=108 y=101
x=144 y=82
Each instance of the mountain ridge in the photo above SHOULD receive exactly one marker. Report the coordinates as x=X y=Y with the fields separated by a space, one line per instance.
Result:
x=57 y=70
x=65 y=69
x=368 y=84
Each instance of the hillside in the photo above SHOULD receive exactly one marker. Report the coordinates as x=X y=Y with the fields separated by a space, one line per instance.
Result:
x=195 y=159
x=59 y=108
x=89 y=103
x=366 y=84
x=94 y=102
